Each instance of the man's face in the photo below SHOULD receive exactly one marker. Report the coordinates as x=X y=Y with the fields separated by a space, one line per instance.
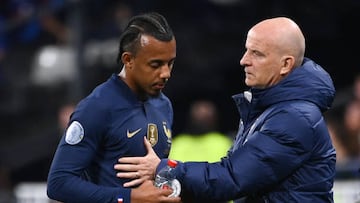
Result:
x=261 y=60
x=151 y=66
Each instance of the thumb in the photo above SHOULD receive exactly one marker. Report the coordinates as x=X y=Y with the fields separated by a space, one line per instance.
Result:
x=148 y=146
x=151 y=157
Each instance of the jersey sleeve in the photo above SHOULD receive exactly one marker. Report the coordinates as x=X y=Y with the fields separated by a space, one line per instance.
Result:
x=75 y=152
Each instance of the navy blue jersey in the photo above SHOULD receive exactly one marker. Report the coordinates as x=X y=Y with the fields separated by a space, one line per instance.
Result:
x=108 y=124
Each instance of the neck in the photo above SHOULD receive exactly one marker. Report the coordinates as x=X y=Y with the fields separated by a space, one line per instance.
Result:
x=122 y=73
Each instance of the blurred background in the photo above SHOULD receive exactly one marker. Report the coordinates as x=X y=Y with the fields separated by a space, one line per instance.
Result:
x=54 y=52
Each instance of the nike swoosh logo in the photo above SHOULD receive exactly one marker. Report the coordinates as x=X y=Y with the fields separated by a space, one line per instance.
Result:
x=131 y=134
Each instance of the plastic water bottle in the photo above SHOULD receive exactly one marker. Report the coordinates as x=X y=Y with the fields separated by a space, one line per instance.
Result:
x=165 y=179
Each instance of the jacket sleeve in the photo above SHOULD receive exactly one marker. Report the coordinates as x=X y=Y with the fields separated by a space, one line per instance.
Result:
x=270 y=154
x=65 y=179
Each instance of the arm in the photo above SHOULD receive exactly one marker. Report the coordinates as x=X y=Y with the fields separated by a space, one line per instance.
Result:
x=252 y=168
x=66 y=182
x=148 y=193
x=67 y=186
x=75 y=153
x=270 y=155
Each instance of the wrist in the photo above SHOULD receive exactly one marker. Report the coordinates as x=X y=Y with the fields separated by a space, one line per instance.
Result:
x=161 y=164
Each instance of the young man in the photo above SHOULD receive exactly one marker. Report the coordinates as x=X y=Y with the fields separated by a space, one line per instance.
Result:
x=283 y=151
x=115 y=119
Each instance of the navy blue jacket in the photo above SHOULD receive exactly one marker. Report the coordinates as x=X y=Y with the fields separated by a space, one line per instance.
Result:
x=282 y=154
x=108 y=124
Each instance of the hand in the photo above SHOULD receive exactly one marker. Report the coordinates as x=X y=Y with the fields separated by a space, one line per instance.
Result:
x=139 y=169
x=148 y=193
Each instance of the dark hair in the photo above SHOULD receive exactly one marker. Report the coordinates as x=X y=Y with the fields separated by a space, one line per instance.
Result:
x=153 y=24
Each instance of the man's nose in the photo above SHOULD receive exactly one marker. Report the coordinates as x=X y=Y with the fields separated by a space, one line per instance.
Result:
x=243 y=60
x=165 y=72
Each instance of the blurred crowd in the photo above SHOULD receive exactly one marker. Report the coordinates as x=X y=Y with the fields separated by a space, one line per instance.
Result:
x=344 y=125
x=53 y=52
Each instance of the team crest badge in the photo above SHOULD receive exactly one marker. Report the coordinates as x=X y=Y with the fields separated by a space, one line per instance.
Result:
x=167 y=130
x=152 y=134
x=74 y=133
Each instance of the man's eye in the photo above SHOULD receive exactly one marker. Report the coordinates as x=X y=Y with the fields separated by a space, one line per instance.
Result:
x=257 y=53
x=171 y=65
x=155 y=65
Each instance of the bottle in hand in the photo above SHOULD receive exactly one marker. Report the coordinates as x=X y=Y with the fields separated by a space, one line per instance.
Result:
x=165 y=179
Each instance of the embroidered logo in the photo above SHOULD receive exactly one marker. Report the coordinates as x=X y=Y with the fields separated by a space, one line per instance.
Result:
x=152 y=134
x=167 y=131
x=131 y=134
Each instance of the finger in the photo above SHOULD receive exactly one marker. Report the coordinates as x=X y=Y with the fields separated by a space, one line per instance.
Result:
x=148 y=146
x=133 y=183
x=130 y=175
x=165 y=194
x=129 y=160
x=126 y=167
x=172 y=199
x=123 y=175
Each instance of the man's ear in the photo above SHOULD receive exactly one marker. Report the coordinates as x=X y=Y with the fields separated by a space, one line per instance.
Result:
x=287 y=64
x=126 y=59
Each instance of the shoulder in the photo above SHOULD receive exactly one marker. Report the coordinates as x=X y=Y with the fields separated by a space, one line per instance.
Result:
x=300 y=111
x=294 y=120
x=94 y=108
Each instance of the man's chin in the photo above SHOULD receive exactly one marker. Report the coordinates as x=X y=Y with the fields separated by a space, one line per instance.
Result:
x=155 y=93
x=248 y=83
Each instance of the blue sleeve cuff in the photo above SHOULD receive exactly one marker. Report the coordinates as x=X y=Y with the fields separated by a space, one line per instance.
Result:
x=124 y=196
x=161 y=165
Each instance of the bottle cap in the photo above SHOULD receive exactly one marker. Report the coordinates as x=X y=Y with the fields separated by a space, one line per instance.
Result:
x=172 y=163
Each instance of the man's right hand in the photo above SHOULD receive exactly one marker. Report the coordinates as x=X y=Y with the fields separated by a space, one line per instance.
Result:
x=138 y=169
x=148 y=193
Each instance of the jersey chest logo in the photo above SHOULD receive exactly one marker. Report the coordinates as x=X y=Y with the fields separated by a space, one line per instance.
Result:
x=131 y=134
x=152 y=134
x=167 y=131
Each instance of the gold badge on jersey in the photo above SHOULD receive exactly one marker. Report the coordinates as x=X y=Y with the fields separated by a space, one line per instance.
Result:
x=152 y=134
x=167 y=130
